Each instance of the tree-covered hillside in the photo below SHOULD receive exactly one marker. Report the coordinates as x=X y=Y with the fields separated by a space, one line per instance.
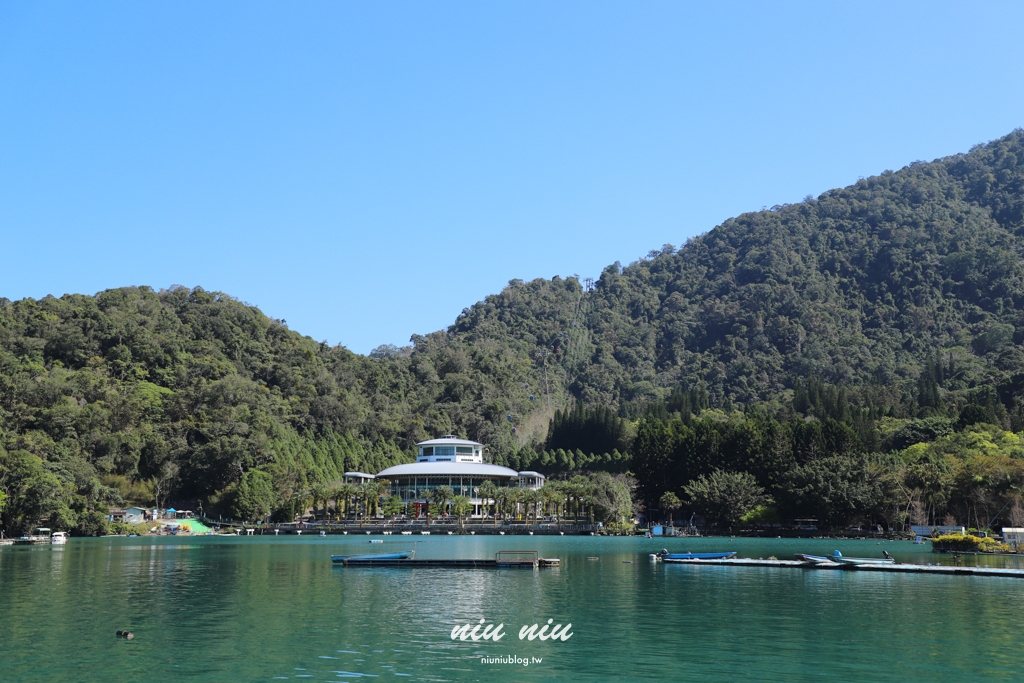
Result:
x=860 y=286
x=904 y=291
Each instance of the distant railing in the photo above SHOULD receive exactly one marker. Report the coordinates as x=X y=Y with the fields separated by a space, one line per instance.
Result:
x=436 y=526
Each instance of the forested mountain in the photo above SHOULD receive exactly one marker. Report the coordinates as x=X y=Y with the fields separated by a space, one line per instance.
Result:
x=903 y=293
x=859 y=286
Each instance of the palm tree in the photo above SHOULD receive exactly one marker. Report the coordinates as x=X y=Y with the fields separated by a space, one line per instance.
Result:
x=488 y=490
x=345 y=494
x=579 y=489
x=370 y=493
x=302 y=500
x=501 y=497
x=441 y=495
x=333 y=494
x=670 y=501
x=319 y=495
x=460 y=506
x=367 y=492
x=530 y=498
x=569 y=496
x=515 y=497
x=551 y=495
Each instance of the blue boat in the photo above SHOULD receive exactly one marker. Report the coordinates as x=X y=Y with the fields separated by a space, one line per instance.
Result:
x=405 y=555
x=665 y=555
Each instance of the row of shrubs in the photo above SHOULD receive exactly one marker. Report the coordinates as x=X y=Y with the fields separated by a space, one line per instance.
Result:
x=969 y=544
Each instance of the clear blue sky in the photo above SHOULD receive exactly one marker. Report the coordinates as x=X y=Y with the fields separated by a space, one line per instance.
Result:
x=366 y=170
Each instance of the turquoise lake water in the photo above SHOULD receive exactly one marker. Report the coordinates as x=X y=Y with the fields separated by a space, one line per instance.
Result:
x=265 y=609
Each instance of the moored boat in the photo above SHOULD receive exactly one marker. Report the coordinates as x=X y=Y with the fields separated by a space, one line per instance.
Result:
x=666 y=555
x=813 y=558
x=39 y=535
x=59 y=537
x=838 y=557
x=405 y=555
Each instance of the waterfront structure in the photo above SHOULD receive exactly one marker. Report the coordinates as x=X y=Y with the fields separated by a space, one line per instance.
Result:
x=1013 y=537
x=358 y=477
x=134 y=515
x=448 y=461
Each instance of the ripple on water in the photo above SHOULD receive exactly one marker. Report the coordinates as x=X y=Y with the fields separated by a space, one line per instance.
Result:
x=355 y=674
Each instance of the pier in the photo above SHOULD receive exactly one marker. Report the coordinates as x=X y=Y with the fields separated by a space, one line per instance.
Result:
x=505 y=559
x=889 y=568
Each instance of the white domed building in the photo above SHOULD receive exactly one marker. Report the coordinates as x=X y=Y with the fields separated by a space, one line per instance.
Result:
x=448 y=461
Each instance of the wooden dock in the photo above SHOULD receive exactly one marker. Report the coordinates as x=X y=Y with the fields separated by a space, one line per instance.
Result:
x=889 y=568
x=505 y=559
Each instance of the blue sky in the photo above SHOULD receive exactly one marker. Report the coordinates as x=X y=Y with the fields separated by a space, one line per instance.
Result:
x=367 y=170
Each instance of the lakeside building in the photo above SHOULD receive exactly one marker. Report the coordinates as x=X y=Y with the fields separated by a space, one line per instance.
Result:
x=448 y=461
x=1013 y=537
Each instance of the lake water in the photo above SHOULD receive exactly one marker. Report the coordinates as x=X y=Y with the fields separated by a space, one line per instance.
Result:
x=265 y=609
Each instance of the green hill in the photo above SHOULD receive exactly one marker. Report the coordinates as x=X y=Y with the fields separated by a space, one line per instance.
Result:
x=905 y=289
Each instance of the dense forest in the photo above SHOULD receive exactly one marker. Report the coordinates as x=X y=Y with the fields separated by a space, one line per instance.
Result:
x=855 y=357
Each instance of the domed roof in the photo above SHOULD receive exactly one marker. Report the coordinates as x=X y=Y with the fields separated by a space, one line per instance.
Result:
x=449 y=440
x=462 y=469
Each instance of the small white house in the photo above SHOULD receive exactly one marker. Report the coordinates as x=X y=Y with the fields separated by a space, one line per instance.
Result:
x=1013 y=537
x=134 y=515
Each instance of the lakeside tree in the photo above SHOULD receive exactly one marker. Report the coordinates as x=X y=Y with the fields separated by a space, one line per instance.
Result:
x=670 y=503
x=723 y=498
x=611 y=497
x=393 y=506
x=255 y=497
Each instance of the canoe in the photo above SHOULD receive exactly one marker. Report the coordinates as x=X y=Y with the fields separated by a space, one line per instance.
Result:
x=838 y=557
x=373 y=556
x=697 y=556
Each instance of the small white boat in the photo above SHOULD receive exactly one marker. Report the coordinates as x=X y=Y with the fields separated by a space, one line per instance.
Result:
x=838 y=557
x=59 y=538
x=817 y=559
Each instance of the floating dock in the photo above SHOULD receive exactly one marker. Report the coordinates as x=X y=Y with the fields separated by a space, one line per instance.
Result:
x=505 y=559
x=889 y=568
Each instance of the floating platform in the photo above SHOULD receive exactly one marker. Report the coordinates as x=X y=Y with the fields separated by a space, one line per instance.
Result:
x=889 y=568
x=505 y=559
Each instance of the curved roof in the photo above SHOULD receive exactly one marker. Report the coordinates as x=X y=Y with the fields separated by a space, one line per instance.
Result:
x=449 y=441
x=463 y=469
